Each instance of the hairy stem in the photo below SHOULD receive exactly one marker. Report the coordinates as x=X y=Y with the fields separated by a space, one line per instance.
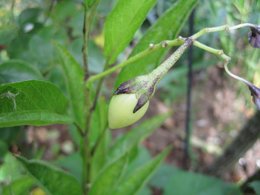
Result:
x=161 y=70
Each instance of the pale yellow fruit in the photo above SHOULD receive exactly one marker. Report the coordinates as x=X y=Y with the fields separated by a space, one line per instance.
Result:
x=120 y=111
x=37 y=191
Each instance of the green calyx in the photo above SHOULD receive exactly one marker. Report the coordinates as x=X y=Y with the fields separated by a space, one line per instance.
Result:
x=142 y=86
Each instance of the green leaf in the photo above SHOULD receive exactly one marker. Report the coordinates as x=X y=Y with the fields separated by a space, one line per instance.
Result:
x=52 y=179
x=19 y=186
x=133 y=183
x=74 y=76
x=167 y=26
x=32 y=103
x=98 y=121
x=256 y=186
x=99 y=157
x=3 y=150
x=16 y=70
x=198 y=184
x=29 y=15
x=69 y=162
x=11 y=169
x=109 y=177
x=7 y=33
x=135 y=136
x=10 y=134
x=122 y=23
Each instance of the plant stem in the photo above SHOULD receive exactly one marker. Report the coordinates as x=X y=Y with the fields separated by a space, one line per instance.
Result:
x=152 y=48
x=214 y=51
x=89 y=13
x=161 y=70
x=222 y=55
x=235 y=76
x=88 y=18
x=83 y=153
x=220 y=28
x=247 y=136
x=188 y=129
x=170 y=43
x=85 y=40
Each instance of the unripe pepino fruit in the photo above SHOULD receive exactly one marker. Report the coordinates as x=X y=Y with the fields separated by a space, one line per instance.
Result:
x=120 y=113
x=130 y=101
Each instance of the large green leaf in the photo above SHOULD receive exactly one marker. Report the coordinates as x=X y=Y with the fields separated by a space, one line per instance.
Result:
x=136 y=135
x=32 y=103
x=74 y=76
x=109 y=177
x=177 y=182
x=16 y=70
x=122 y=23
x=167 y=26
x=133 y=183
x=52 y=179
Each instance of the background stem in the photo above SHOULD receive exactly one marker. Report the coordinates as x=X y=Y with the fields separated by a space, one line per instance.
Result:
x=188 y=100
x=86 y=26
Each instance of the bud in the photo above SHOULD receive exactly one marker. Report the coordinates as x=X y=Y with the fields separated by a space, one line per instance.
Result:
x=255 y=92
x=130 y=101
x=254 y=37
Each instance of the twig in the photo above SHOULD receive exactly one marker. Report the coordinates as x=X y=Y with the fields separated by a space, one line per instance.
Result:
x=221 y=28
x=245 y=139
x=89 y=13
x=86 y=25
x=214 y=51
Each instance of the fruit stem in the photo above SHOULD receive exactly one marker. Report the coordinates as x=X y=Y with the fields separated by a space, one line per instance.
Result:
x=161 y=70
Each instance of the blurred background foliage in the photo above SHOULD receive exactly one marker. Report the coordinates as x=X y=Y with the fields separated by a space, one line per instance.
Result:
x=28 y=29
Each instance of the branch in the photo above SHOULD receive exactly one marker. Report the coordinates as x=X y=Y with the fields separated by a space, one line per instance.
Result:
x=248 y=135
x=175 y=42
